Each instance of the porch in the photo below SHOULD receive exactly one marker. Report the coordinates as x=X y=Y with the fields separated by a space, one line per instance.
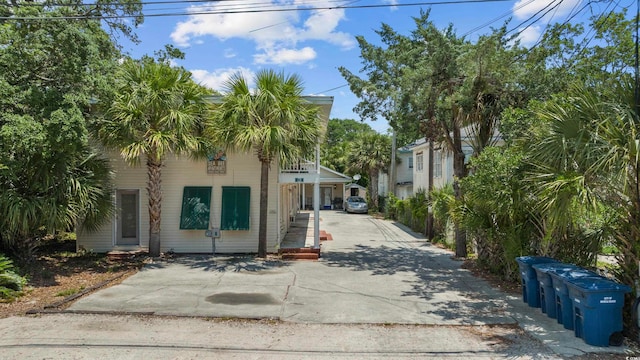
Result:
x=298 y=242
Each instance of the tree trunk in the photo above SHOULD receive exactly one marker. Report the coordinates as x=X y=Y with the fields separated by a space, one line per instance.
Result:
x=459 y=172
x=429 y=225
x=373 y=177
x=154 y=190
x=264 y=202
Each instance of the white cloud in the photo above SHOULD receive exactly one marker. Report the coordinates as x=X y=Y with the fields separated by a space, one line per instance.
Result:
x=530 y=35
x=274 y=33
x=525 y=9
x=216 y=79
x=285 y=56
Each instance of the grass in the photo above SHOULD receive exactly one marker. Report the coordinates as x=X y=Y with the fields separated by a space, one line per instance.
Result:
x=609 y=250
x=69 y=292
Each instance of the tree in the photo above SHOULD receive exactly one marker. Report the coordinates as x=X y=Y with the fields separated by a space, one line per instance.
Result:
x=158 y=110
x=338 y=142
x=439 y=83
x=587 y=159
x=371 y=153
x=273 y=120
x=51 y=72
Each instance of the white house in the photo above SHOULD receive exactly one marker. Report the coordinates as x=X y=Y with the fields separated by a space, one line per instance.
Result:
x=404 y=174
x=212 y=206
x=442 y=160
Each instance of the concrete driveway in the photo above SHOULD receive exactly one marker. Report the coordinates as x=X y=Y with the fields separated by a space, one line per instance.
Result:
x=373 y=271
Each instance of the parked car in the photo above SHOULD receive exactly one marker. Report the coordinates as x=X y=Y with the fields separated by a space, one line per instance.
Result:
x=356 y=204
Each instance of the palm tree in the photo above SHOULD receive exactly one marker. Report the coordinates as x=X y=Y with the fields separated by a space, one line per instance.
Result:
x=371 y=152
x=589 y=156
x=273 y=120
x=158 y=110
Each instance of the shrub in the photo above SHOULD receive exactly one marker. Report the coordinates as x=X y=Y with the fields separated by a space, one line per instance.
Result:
x=11 y=284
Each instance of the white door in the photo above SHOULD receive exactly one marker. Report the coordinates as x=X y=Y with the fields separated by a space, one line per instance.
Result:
x=128 y=220
x=325 y=196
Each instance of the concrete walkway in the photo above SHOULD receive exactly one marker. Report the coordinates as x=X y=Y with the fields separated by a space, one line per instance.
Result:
x=374 y=271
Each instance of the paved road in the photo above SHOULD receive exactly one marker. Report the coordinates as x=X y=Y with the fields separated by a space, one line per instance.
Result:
x=374 y=273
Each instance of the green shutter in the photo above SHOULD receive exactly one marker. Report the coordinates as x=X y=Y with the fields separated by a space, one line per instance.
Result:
x=235 y=207
x=196 y=205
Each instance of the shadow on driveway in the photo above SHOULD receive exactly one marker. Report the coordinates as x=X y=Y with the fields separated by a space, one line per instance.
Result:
x=450 y=292
x=221 y=263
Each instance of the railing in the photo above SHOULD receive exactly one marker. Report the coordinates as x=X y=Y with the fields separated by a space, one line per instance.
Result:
x=301 y=167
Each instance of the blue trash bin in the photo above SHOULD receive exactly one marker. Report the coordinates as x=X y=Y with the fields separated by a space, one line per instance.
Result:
x=564 y=305
x=546 y=291
x=597 y=307
x=530 y=287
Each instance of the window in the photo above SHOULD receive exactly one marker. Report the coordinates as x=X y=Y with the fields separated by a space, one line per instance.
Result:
x=235 y=207
x=437 y=164
x=419 y=161
x=127 y=223
x=411 y=162
x=196 y=205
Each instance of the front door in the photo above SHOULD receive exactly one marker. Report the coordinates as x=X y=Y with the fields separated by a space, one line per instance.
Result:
x=128 y=221
x=325 y=197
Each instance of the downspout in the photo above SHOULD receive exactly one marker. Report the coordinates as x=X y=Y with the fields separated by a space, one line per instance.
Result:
x=316 y=202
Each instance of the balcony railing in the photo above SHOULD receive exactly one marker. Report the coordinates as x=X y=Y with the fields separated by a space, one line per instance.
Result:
x=300 y=167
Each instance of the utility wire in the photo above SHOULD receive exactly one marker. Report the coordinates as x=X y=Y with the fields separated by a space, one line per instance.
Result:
x=546 y=9
x=248 y=11
x=169 y=2
x=286 y=22
x=498 y=18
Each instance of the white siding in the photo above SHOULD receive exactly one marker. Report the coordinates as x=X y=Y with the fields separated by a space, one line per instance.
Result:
x=242 y=170
x=421 y=178
x=404 y=173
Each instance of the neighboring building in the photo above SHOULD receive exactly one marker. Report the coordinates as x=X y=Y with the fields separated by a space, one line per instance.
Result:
x=404 y=173
x=442 y=161
x=211 y=206
x=354 y=189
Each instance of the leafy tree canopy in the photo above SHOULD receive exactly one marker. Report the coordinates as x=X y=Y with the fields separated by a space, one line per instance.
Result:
x=52 y=72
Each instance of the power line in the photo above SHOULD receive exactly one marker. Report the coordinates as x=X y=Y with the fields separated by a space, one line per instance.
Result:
x=248 y=11
x=335 y=88
x=286 y=22
x=498 y=18
x=546 y=9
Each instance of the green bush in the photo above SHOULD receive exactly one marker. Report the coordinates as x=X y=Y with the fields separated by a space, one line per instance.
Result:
x=11 y=284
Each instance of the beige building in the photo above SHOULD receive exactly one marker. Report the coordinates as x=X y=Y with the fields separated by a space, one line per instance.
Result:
x=212 y=205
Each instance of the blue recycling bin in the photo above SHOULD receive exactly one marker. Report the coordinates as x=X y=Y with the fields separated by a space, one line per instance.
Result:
x=530 y=287
x=546 y=291
x=564 y=305
x=597 y=307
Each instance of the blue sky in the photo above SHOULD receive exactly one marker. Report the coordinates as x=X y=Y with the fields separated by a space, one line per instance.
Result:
x=314 y=43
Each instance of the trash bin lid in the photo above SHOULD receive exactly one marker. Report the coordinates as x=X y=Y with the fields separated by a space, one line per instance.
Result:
x=592 y=284
x=575 y=273
x=554 y=267
x=535 y=259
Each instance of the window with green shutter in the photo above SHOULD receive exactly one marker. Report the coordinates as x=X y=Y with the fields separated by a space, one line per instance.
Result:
x=235 y=207
x=196 y=207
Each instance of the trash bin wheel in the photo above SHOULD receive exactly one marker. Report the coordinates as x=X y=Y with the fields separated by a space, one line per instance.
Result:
x=616 y=339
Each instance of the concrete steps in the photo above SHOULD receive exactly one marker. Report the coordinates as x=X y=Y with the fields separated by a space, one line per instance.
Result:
x=305 y=253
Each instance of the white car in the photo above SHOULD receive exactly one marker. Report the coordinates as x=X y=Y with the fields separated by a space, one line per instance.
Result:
x=356 y=204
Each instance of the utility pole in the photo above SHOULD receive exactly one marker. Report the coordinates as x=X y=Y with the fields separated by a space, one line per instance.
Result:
x=392 y=170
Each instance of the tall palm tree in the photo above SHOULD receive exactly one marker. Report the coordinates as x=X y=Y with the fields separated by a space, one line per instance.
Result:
x=273 y=120
x=158 y=110
x=371 y=152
